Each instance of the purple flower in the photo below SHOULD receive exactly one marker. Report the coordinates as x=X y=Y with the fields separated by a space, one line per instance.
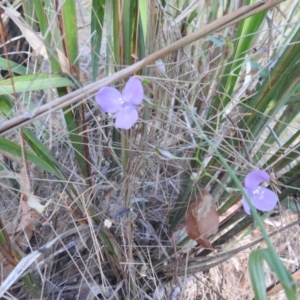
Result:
x=261 y=197
x=122 y=105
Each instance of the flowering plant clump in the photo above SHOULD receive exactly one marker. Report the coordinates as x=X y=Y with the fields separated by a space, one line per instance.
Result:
x=123 y=106
x=261 y=197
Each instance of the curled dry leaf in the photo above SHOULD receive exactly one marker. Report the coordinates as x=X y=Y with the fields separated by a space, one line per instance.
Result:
x=202 y=219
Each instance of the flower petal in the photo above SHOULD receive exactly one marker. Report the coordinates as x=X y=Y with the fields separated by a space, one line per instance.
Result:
x=126 y=118
x=133 y=92
x=109 y=99
x=255 y=178
x=264 y=199
x=246 y=206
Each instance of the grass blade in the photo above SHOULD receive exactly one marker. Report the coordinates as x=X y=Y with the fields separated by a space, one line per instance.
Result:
x=97 y=22
x=34 y=82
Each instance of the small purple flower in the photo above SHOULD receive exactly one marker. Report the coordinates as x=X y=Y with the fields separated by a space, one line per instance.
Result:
x=122 y=105
x=261 y=197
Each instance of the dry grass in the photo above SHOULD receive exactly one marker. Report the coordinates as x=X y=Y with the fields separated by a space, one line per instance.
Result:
x=78 y=265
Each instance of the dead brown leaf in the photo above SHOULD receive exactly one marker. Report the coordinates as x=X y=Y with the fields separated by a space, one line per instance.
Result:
x=202 y=219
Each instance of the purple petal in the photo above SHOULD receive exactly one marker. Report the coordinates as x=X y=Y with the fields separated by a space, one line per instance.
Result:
x=126 y=118
x=109 y=99
x=255 y=178
x=264 y=199
x=246 y=205
x=133 y=92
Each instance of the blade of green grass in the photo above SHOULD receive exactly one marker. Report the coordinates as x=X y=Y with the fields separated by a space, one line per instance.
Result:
x=51 y=46
x=246 y=32
x=68 y=16
x=75 y=121
x=276 y=91
x=15 y=67
x=43 y=152
x=34 y=82
x=46 y=32
x=97 y=22
x=143 y=8
x=257 y=275
x=128 y=19
x=13 y=149
x=117 y=48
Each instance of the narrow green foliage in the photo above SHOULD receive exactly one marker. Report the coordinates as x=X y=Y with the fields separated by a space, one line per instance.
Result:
x=15 y=68
x=128 y=19
x=141 y=39
x=42 y=151
x=68 y=16
x=143 y=8
x=117 y=46
x=289 y=115
x=256 y=270
x=275 y=91
x=33 y=285
x=70 y=48
x=75 y=121
x=257 y=274
x=15 y=150
x=246 y=32
x=38 y=147
x=5 y=106
x=97 y=19
x=76 y=140
x=29 y=14
x=34 y=82
x=295 y=99
x=44 y=27
x=278 y=161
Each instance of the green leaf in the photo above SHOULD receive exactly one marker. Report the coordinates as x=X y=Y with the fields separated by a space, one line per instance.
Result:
x=5 y=106
x=68 y=13
x=15 y=67
x=51 y=47
x=43 y=152
x=116 y=31
x=97 y=20
x=143 y=6
x=34 y=82
x=128 y=20
x=257 y=275
x=246 y=32
x=13 y=149
x=281 y=272
x=295 y=99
